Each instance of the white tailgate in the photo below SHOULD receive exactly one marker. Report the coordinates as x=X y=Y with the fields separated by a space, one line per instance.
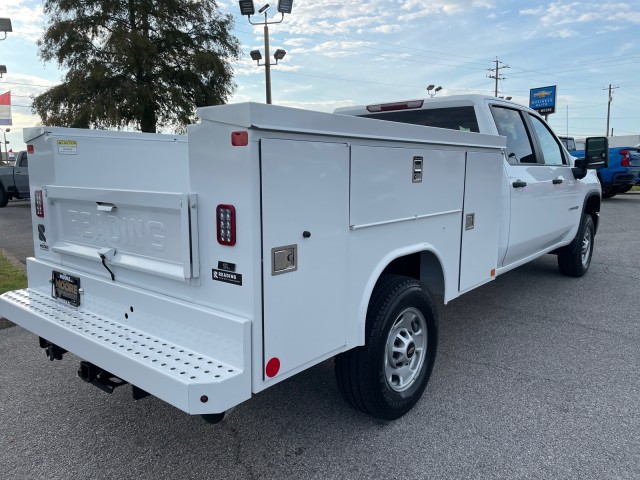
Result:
x=148 y=232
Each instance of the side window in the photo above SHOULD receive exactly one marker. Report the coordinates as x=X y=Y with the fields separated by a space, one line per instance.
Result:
x=551 y=151
x=511 y=125
x=453 y=118
x=24 y=161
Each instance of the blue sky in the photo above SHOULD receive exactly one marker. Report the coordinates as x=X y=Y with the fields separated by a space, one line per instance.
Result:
x=349 y=52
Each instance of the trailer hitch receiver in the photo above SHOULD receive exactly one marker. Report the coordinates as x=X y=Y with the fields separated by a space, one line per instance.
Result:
x=52 y=351
x=102 y=379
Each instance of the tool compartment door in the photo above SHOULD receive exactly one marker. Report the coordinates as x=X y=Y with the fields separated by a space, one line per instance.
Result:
x=305 y=221
x=481 y=219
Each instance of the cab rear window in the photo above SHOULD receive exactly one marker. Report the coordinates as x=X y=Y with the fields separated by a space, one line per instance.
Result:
x=453 y=118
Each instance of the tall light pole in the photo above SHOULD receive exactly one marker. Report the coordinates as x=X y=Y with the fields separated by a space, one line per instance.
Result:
x=247 y=8
x=6 y=149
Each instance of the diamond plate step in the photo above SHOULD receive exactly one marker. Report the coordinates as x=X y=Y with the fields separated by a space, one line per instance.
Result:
x=157 y=365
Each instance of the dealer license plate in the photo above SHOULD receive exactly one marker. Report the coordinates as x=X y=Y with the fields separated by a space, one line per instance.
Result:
x=66 y=287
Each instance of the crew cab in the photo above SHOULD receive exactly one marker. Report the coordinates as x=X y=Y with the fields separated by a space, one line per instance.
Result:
x=14 y=179
x=205 y=269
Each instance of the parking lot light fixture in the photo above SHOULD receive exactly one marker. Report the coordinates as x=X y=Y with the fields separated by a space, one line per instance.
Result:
x=256 y=55
x=285 y=6
x=279 y=55
x=432 y=90
x=247 y=8
x=5 y=27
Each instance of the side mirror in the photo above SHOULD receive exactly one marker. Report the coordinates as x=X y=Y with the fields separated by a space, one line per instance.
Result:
x=597 y=152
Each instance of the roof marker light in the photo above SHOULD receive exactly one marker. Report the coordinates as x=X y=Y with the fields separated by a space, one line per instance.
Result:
x=240 y=139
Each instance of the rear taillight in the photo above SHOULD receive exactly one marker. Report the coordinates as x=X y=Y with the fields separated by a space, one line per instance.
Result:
x=226 y=224
x=39 y=204
x=30 y=149
x=625 y=158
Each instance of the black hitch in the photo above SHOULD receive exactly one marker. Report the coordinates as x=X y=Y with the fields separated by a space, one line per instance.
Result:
x=52 y=351
x=102 y=379
x=138 y=393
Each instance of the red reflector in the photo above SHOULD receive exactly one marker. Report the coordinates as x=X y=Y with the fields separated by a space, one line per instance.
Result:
x=273 y=367
x=226 y=224
x=239 y=139
x=387 y=107
x=39 y=204
x=30 y=149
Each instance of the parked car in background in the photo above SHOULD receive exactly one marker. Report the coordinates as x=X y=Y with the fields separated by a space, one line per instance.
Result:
x=14 y=180
x=623 y=171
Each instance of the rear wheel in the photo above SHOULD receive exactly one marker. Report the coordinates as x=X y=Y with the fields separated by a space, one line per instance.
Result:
x=574 y=259
x=4 y=197
x=609 y=192
x=387 y=376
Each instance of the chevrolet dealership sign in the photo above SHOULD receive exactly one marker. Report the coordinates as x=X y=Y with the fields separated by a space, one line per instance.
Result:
x=543 y=100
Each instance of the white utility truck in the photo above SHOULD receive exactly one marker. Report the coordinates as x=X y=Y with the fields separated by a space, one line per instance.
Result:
x=205 y=271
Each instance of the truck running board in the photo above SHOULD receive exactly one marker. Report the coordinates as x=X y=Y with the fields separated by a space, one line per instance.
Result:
x=192 y=381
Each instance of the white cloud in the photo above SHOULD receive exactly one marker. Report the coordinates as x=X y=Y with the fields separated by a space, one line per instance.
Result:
x=625 y=48
x=563 y=33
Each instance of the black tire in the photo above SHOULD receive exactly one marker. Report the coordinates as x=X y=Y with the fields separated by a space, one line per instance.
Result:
x=402 y=325
x=574 y=259
x=625 y=188
x=4 y=197
x=609 y=192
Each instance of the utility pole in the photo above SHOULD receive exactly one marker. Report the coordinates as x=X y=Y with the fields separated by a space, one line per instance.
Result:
x=497 y=76
x=609 y=105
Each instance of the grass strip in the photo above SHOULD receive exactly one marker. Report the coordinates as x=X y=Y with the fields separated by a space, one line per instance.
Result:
x=11 y=278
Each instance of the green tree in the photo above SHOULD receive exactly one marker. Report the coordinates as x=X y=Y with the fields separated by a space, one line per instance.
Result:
x=137 y=63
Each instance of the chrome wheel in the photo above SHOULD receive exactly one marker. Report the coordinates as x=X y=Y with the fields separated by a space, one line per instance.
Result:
x=406 y=349
x=585 y=251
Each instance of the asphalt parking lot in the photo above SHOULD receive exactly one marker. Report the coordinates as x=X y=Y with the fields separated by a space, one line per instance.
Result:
x=537 y=377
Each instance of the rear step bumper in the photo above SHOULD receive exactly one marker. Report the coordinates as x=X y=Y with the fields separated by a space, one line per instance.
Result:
x=193 y=381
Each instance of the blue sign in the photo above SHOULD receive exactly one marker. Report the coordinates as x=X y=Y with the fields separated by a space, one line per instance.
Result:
x=543 y=100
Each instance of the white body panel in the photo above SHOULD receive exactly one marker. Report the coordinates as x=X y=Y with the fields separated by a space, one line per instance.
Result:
x=324 y=205
x=289 y=208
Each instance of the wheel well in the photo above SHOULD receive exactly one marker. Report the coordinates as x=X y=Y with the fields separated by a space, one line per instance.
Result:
x=423 y=266
x=592 y=207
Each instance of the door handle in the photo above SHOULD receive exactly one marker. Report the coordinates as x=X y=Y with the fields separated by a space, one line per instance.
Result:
x=556 y=181
x=519 y=184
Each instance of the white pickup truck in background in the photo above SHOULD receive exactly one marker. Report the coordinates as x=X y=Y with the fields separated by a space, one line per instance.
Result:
x=203 y=272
